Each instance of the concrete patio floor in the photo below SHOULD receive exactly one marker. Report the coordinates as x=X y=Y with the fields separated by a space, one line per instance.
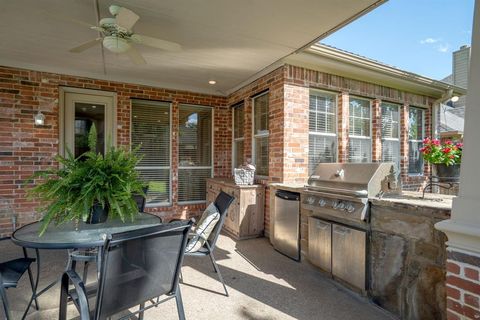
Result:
x=263 y=285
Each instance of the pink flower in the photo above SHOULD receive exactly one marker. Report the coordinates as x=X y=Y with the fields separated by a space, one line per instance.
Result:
x=436 y=142
x=460 y=145
x=448 y=142
x=446 y=150
x=426 y=140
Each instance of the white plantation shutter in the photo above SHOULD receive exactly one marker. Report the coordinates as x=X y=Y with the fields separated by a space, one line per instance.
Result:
x=322 y=128
x=360 y=142
x=359 y=149
x=151 y=131
x=391 y=133
x=194 y=152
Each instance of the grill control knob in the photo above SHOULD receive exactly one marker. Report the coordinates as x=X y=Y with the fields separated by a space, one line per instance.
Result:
x=322 y=202
x=341 y=205
x=310 y=200
x=350 y=208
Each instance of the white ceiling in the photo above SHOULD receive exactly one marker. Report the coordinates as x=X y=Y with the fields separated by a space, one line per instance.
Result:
x=229 y=41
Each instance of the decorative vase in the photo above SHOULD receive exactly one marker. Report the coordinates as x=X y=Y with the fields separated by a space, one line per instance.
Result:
x=98 y=214
x=446 y=173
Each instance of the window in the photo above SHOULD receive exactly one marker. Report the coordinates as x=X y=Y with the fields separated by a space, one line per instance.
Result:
x=391 y=133
x=260 y=133
x=151 y=131
x=416 y=132
x=238 y=136
x=360 y=141
x=322 y=136
x=194 y=152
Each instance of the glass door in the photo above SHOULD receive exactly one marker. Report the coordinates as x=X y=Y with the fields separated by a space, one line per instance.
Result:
x=82 y=111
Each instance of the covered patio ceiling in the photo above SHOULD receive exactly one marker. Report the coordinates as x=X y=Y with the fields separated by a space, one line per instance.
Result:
x=227 y=41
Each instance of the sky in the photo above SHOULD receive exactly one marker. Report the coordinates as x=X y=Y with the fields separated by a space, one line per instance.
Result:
x=414 y=35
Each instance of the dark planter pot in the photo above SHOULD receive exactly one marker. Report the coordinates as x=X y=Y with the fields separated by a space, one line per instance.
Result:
x=98 y=214
x=446 y=173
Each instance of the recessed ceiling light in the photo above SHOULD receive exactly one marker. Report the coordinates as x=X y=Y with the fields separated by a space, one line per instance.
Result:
x=212 y=82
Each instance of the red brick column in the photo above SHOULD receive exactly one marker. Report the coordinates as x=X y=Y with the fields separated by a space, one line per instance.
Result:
x=376 y=131
x=342 y=128
x=404 y=142
x=295 y=133
x=463 y=285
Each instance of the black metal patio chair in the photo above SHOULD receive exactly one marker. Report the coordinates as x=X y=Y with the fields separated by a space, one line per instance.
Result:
x=10 y=274
x=136 y=267
x=222 y=202
x=88 y=256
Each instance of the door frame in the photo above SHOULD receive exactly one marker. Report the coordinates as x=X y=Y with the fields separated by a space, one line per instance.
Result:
x=61 y=115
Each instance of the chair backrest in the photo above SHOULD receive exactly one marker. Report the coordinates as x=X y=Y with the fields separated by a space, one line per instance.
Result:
x=140 y=265
x=222 y=202
x=140 y=199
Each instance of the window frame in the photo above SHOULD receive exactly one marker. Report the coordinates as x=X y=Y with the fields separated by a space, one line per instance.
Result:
x=235 y=140
x=261 y=135
x=212 y=148
x=325 y=134
x=370 y=101
x=399 y=131
x=424 y=113
x=170 y=191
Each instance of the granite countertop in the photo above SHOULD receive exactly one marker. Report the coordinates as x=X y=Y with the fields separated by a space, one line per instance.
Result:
x=231 y=182
x=410 y=198
x=288 y=186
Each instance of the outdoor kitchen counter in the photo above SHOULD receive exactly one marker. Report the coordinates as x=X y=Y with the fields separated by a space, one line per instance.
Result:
x=288 y=187
x=407 y=254
x=409 y=198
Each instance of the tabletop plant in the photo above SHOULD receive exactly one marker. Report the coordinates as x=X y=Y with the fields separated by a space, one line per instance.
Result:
x=71 y=191
x=447 y=153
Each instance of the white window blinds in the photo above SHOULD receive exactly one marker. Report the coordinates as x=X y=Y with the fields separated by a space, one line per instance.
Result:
x=322 y=128
x=238 y=135
x=260 y=133
x=416 y=134
x=194 y=152
x=151 y=131
x=360 y=142
x=391 y=133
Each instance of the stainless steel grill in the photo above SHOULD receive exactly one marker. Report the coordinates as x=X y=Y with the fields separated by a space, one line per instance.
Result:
x=336 y=201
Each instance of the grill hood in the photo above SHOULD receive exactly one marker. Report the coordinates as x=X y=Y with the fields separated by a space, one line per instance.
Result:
x=357 y=179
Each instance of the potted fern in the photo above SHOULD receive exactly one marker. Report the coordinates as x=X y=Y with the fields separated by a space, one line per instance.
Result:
x=89 y=188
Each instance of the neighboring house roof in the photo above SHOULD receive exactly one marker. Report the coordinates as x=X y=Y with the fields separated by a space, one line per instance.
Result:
x=329 y=59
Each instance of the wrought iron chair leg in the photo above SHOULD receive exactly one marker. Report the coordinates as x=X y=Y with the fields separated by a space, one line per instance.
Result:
x=217 y=270
x=3 y=297
x=178 y=300
x=85 y=272
x=140 y=314
x=30 y=277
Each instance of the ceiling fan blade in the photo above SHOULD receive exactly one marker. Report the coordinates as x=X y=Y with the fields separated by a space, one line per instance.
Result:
x=126 y=18
x=85 y=46
x=156 y=43
x=135 y=56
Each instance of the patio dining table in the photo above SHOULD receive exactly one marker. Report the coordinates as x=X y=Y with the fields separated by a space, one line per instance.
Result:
x=73 y=235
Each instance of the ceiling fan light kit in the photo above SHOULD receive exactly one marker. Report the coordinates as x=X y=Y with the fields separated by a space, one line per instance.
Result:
x=116 y=35
x=116 y=44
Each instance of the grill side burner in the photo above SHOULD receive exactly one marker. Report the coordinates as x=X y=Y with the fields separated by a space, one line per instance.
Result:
x=336 y=201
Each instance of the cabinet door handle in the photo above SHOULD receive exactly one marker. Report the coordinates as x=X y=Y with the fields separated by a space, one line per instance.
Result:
x=341 y=231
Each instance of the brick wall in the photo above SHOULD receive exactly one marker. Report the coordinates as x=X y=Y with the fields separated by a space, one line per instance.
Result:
x=463 y=285
x=344 y=87
x=25 y=148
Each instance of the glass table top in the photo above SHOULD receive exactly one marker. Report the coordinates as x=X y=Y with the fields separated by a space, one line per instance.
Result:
x=71 y=235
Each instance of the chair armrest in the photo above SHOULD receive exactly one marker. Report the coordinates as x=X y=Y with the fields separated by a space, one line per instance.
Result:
x=82 y=301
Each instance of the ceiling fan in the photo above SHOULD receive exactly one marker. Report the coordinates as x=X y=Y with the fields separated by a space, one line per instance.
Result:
x=116 y=35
